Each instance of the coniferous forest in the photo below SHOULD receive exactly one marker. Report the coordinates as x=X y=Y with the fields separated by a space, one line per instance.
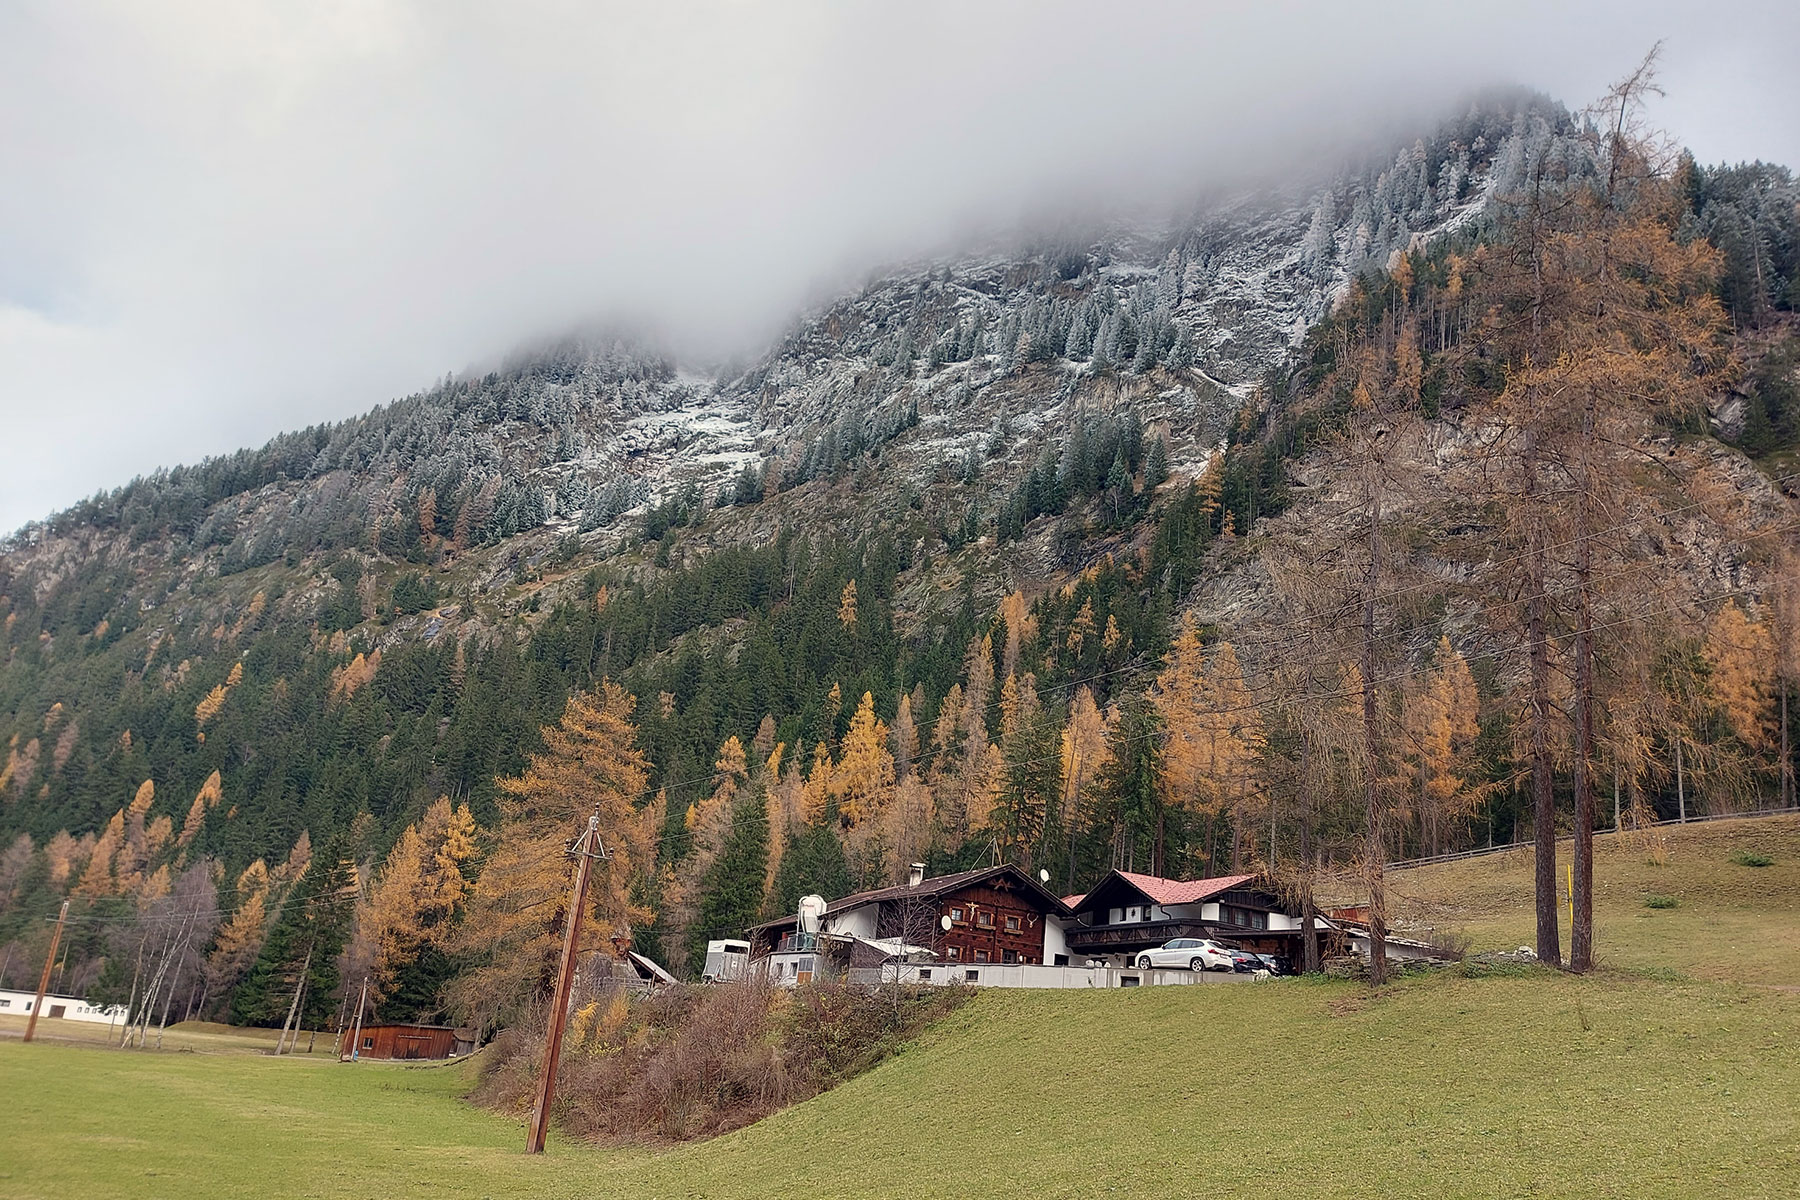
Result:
x=1503 y=548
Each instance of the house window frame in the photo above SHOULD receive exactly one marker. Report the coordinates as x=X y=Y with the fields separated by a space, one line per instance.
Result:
x=1013 y=923
x=984 y=919
x=981 y=955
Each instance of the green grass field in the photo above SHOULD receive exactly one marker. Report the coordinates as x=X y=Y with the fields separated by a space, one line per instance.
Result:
x=1730 y=921
x=188 y=1035
x=1662 y=1076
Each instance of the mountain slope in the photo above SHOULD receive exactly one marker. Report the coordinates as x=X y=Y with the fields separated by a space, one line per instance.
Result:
x=1027 y=463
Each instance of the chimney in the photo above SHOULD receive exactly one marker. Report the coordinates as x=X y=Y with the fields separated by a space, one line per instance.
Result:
x=916 y=875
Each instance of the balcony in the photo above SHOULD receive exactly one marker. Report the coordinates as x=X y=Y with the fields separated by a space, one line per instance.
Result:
x=1133 y=935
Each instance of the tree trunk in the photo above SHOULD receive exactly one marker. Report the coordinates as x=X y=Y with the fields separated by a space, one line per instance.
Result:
x=162 y=966
x=1581 y=932
x=1543 y=793
x=169 y=996
x=1309 y=867
x=1374 y=840
x=131 y=1005
x=1787 y=759
x=294 y=1004
x=1680 y=782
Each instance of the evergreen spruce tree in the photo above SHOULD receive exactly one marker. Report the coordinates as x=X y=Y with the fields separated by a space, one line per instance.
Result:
x=311 y=929
x=814 y=862
x=1126 y=827
x=732 y=888
x=1156 y=465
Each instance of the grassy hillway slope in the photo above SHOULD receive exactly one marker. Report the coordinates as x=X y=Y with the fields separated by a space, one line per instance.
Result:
x=1661 y=1076
x=1527 y=1084
x=1729 y=920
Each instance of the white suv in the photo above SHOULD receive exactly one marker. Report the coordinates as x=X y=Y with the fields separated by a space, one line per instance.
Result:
x=1196 y=954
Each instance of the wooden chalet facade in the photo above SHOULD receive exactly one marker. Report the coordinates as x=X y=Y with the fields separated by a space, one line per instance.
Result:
x=1128 y=912
x=990 y=915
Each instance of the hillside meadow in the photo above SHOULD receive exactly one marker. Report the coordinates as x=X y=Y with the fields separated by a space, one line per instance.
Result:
x=1671 y=1072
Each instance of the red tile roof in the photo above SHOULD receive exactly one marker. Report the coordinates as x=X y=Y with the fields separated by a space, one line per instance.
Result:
x=1182 y=891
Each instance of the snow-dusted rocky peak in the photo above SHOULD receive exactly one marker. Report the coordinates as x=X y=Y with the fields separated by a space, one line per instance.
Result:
x=992 y=356
x=1206 y=304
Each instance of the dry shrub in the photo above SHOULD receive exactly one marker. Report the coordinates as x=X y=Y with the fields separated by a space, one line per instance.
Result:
x=1452 y=944
x=696 y=1061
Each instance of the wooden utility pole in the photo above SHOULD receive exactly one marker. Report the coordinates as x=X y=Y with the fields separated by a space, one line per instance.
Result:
x=37 y=1006
x=587 y=848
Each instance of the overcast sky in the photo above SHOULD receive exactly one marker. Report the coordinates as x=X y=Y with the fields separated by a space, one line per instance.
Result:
x=220 y=220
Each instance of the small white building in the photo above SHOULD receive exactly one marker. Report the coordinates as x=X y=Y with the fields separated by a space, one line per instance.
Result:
x=61 y=1008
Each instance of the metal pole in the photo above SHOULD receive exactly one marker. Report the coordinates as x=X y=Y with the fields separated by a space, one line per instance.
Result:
x=37 y=1006
x=559 y=1003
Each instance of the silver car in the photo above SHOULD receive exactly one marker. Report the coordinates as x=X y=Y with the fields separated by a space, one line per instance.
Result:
x=1196 y=954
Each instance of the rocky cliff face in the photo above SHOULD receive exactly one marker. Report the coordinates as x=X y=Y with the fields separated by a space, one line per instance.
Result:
x=932 y=390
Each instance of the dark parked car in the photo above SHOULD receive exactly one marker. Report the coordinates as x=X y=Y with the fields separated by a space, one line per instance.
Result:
x=1275 y=964
x=1244 y=960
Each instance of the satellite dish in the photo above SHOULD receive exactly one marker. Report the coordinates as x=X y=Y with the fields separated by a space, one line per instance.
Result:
x=946 y=922
x=1043 y=875
x=812 y=911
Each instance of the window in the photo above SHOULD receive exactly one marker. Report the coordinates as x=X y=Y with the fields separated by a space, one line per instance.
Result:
x=1010 y=956
x=5 y=1003
x=956 y=914
x=981 y=956
x=368 y=1043
x=972 y=976
x=924 y=974
x=984 y=920
x=955 y=952
x=1012 y=924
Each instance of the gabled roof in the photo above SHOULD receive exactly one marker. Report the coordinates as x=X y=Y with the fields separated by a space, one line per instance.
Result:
x=936 y=886
x=1158 y=890
x=1180 y=891
x=649 y=969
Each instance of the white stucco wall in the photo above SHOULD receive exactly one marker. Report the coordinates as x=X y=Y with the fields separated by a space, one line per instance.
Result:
x=1012 y=975
x=18 y=1004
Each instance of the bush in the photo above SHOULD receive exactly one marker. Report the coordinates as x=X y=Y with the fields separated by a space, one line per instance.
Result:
x=1661 y=902
x=1750 y=858
x=692 y=1062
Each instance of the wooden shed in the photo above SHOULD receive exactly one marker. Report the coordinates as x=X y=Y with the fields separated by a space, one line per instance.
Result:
x=403 y=1041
